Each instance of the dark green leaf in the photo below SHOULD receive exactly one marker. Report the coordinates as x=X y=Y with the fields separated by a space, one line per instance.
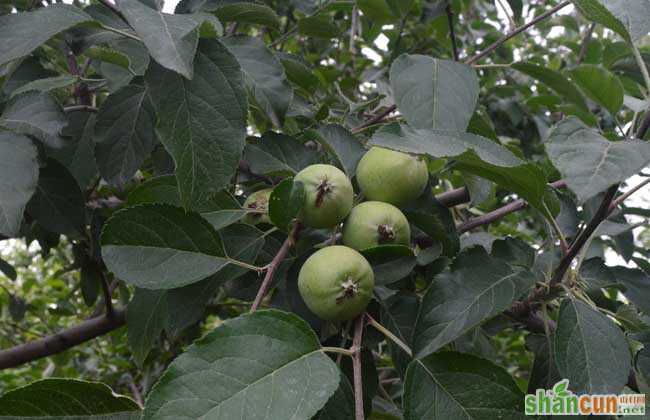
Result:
x=161 y=247
x=58 y=204
x=433 y=93
x=342 y=144
x=124 y=133
x=78 y=153
x=398 y=314
x=202 y=122
x=286 y=202
x=390 y=263
x=630 y=19
x=600 y=85
x=589 y=162
x=18 y=179
x=35 y=114
x=590 y=350
x=340 y=406
x=596 y=275
x=63 y=397
x=46 y=85
x=17 y=308
x=264 y=76
x=8 y=269
x=514 y=252
x=637 y=286
x=554 y=80
x=435 y=220
x=146 y=318
x=254 y=355
x=22 y=33
x=460 y=386
x=243 y=11
x=319 y=26
x=476 y=288
x=277 y=154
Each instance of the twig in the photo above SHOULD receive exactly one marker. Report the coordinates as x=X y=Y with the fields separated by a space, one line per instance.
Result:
x=61 y=341
x=356 y=367
x=513 y=24
x=452 y=33
x=392 y=337
x=374 y=120
x=490 y=217
x=273 y=266
x=119 y=32
x=75 y=108
x=106 y=290
x=642 y=66
x=339 y=350
x=585 y=44
x=516 y=32
x=620 y=199
x=288 y=34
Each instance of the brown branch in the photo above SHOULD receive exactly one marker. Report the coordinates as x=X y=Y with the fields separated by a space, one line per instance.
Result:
x=61 y=341
x=516 y=32
x=585 y=44
x=374 y=120
x=620 y=199
x=107 y=292
x=497 y=214
x=274 y=265
x=644 y=127
x=452 y=33
x=356 y=367
x=453 y=197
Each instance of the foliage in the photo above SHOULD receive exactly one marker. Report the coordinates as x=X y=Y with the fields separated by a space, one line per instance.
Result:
x=131 y=259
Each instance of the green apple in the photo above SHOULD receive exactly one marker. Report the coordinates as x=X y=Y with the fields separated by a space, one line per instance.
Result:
x=375 y=223
x=336 y=283
x=393 y=177
x=328 y=195
x=258 y=201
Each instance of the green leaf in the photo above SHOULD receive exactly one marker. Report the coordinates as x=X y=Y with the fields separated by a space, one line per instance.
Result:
x=18 y=179
x=58 y=203
x=476 y=288
x=156 y=246
x=390 y=263
x=124 y=134
x=202 y=122
x=435 y=220
x=474 y=153
x=63 y=397
x=245 y=12
x=36 y=114
x=237 y=370
x=277 y=154
x=459 y=386
x=636 y=283
x=589 y=162
x=600 y=85
x=22 y=33
x=77 y=155
x=596 y=275
x=319 y=26
x=146 y=318
x=340 y=406
x=590 y=350
x=264 y=76
x=170 y=39
x=554 y=80
x=433 y=93
x=399 y=314
x=46 y=85
x=630 y=18
x=342 y=144
x=286 y=202
x=299 y=72
x=220 y=209
x=643 y=357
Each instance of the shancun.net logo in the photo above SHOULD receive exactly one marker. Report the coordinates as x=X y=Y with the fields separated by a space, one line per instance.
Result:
x=561 y=401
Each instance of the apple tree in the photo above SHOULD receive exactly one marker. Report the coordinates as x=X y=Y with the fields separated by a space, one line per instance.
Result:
x=310 y=209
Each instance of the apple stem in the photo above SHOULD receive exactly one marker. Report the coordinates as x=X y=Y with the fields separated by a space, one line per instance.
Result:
x=324 y=188
x=392 y=337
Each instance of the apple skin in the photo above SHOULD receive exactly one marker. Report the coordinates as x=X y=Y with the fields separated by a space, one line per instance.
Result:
x=259 y=200
x=336 y=283
x=328 y=195
x=392 y=177
x=375 y=223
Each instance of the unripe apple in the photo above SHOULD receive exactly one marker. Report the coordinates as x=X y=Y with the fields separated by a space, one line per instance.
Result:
x=375 y=223
x=258 y=201
x=336 y=283
x=393 y=177
x=328 y=195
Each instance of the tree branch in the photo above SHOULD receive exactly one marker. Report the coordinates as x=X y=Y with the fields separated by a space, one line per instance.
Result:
x=497 y=214
x=374 y=120
x=516 y=32
x=61 y=341
x=452 y=33
x=273 y=266
x=356 y=367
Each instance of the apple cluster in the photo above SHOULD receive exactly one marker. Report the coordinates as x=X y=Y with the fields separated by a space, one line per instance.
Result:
x=336 y=282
